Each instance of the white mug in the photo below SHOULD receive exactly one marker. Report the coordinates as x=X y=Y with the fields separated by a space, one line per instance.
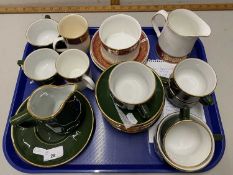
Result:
x=180 y=32
x=74 y=33
x=120 y=38
x=73 y=65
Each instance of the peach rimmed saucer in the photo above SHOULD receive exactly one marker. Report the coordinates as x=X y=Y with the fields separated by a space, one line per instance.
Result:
x=100 y=62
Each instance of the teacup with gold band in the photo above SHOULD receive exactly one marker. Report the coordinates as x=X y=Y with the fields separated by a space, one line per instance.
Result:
x=39 y=66
x=42 y=32
x=74 y=33
x=131 y=85
x=192 y=81
x=73 y=65
x=184 y=141
x=120 y=38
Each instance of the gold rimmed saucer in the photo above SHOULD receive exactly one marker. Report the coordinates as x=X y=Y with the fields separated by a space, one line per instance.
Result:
x=34 y=144
x=107 y=107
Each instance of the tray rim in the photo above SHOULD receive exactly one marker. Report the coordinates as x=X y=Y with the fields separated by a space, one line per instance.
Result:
x=102 y=168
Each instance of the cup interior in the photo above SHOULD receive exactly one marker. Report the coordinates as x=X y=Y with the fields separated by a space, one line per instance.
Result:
x=42 y=32
x=72 y=26
x=132 y=82
x=40 y=64
x=120 y=31
x=72 y=63
x=187 y=144
x=195 y=77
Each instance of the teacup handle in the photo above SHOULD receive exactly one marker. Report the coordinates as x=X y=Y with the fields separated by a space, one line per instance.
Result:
x=23 y=119
x=153 y=21
x=56 y=41
x=207 y=100
x=47 y=17
x=89 y=82
x=143 y=110
x=165 y=81
x=20 y=63
x=184 y=113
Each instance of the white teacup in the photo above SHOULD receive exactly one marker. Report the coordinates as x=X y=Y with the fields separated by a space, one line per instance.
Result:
x=74 y=33
x=40 y=65
x=192 y=81
x=132 y=83
x=120 y=37
x=73 y=65
x=42 y=32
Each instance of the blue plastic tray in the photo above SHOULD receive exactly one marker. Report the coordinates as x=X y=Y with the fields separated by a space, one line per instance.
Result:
x=109 y=149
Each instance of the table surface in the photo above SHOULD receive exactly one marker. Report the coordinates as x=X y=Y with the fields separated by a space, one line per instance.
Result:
x=218 y=48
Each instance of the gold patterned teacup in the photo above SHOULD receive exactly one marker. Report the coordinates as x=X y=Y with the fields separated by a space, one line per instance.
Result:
x=120 y=38
x=74 y=33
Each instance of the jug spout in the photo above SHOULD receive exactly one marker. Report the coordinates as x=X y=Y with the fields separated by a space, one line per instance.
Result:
x=66 y=90
x=187 y=23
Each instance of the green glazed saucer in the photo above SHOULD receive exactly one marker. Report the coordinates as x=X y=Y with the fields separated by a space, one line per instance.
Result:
x=51 y=149
x=106 y=105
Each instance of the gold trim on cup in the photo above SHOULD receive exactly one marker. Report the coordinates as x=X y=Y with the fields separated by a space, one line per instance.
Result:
x=78 y=40
x=199 y=60
x=161 y=149
x=121 y=51
x=75 y=79
x=165 y=152
x=125 y=103
x=49 y=166
x=37 y=45
x=26 y=59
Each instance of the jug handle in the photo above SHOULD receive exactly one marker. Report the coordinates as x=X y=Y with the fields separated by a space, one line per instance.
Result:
x=153 y=21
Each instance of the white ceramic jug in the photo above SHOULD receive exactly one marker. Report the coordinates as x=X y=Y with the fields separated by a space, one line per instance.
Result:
x=179 y=33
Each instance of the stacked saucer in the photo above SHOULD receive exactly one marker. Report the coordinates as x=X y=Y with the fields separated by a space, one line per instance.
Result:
x=110 y=113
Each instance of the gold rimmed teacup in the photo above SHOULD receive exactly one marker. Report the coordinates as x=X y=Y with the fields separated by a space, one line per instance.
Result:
x=73 y=65
x=132 y=84
x=185 y=142
x=120 y=38
x=73 y=30
x=40 y=65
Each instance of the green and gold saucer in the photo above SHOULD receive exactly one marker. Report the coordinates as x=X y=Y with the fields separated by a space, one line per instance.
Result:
x=106 y=105
x=41 y=147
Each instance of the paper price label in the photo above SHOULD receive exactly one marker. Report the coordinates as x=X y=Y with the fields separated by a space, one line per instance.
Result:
x=49 y=154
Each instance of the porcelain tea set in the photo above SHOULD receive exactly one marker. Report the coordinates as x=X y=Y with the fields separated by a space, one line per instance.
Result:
x=129 y=94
